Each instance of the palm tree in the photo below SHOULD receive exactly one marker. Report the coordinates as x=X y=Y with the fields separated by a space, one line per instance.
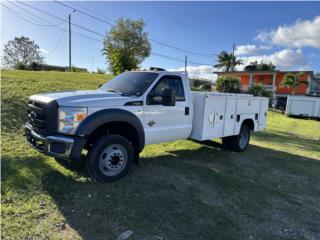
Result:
x=292 y=80
x=255 y=66
x=227 y=61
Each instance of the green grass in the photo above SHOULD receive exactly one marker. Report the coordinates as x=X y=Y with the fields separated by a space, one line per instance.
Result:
x=181 y=190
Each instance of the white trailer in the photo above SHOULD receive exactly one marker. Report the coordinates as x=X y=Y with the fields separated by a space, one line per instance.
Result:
x=303 y=106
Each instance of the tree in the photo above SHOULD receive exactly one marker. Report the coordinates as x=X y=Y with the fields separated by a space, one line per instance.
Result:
x=21 y=51
x=255 y=66
x=258 y=90
x=126 y=45
x=227 y=61
x=228 y=84
x=292 y=80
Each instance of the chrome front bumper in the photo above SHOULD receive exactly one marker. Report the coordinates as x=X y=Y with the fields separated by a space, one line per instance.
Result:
x=57 y=146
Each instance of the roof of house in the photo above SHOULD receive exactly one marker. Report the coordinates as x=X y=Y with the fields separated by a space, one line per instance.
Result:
x=258 y=72
x=247 y=72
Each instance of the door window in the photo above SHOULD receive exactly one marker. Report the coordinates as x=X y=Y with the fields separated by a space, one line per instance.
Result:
x=173 y=82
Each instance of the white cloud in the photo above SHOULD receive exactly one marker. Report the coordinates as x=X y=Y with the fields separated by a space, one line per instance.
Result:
x=300 y=34
x=246 y=49
x=250 y=49
x=265 y=47
x=202 y=72
x=43 y=51
x=284 y=59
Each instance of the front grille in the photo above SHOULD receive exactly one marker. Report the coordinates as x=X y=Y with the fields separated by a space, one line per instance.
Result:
x=42 y=117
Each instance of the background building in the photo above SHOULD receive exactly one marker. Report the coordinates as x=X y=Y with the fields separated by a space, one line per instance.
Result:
x=272 y=79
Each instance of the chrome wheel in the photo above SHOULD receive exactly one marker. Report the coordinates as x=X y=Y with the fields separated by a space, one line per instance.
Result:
x=113 y=159
x=244 y=138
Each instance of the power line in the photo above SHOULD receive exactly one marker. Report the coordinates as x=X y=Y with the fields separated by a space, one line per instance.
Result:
x=43 y=20
x=84 y=13
x=74 y=24
x=167 y=57
x=175 y=19
x=92 y=11
x=177 y=59
x=180 y=49
x=57 y=44
x=153 y=53
x=151 y=39
x=111 y=20
x=49 y=24
x=22 y=17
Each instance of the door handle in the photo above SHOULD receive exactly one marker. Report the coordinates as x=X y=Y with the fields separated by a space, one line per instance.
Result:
x=186 y=110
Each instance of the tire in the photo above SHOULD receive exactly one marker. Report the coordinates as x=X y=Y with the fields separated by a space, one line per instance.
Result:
x=226 y=142
x=240 y=142
x=109 y=158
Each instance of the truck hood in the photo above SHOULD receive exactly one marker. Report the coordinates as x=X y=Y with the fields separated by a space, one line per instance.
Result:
x=79 y=98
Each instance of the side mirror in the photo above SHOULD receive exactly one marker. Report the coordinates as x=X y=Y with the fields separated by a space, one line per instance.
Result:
x=100 y=85
x=168 y=97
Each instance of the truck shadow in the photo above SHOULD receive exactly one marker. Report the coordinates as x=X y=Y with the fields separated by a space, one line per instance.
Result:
x=221 y=193
x=284 y=138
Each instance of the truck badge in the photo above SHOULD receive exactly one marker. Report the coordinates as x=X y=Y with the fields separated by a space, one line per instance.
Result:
x=151 y=123
x=33 y=115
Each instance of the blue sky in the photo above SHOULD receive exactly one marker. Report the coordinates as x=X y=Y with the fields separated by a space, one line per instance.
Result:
x=287 y=33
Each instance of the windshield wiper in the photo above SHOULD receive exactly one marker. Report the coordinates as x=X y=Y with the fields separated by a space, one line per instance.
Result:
x=114 y=91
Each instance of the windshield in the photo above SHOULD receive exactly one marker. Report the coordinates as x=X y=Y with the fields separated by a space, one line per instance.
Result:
x=130 y=83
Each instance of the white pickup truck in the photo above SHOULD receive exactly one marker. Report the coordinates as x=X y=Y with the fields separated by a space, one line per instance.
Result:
x=134 y=109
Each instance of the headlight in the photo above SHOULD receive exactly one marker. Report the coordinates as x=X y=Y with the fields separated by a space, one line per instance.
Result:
x=70 y=118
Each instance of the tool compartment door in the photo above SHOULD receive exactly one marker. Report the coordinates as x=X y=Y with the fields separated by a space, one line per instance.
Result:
x=263 y=114
x=248 y=105
x=230 y=116
x=213 y=117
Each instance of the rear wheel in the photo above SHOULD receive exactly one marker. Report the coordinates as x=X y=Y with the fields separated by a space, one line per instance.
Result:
x=109 y=158
x=240 y=142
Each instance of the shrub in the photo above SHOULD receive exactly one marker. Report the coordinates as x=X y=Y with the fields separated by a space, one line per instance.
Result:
x=196 y=83
x=206 y=85
x=258 y=90
x=101 y=71
x=20 y=66
x=201 y=84
x=77 y=69
x=34 y=66
x=228 y=84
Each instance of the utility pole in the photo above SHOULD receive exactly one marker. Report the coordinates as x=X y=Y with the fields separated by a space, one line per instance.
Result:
x=69 y=42
x=233 y=48
x=92 y=64
x=185 y=63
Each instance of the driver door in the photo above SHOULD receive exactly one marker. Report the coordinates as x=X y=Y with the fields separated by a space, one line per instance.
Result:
x=166 y=123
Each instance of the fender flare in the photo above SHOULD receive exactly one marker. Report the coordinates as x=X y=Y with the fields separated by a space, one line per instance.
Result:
x=99 y=118
x=249 y=119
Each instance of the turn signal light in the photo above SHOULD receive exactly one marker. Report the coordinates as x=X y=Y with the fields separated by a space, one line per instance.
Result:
x=80 y=116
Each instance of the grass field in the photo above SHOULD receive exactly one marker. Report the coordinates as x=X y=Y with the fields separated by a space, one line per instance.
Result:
x=181 y=190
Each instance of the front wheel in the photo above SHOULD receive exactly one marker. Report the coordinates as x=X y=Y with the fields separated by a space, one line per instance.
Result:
x=109 y=158
x=240 y=142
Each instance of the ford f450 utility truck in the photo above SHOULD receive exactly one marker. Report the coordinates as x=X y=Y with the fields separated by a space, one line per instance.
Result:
x=134 y=109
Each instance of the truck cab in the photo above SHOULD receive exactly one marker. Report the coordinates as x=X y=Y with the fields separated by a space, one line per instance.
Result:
x=136 y=108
